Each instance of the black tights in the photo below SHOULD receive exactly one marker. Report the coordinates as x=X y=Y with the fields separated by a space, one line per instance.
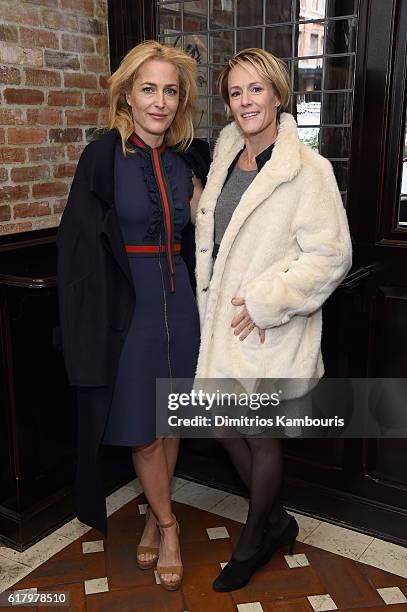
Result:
x=259 y=463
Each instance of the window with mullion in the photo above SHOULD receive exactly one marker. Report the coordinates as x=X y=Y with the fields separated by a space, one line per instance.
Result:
x=317 y=40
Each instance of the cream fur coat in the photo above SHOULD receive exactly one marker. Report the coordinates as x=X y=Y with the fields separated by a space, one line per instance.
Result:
x=285 y=250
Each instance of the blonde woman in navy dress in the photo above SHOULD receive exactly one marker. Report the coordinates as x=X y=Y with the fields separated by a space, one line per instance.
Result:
x=154 y=191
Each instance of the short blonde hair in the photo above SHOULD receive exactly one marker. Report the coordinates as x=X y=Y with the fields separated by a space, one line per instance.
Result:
x=269 y=67
x=181 y=131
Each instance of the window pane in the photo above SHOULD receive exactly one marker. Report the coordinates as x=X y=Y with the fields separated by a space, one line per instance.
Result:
x=218 y=112
x=171 y=4
x=338 y=72
x=336 y=8
x=215 y=72
x=279 y=41
x=335 y=142
x=221 y=14
x=221 y=47
x=308 y=109
x=249 y=13
x=201 y=113
x=173 y=41
x=337 y=108
x=341 y=174
x=197 y=7
x=248 y=38
x=202 y=80
x=195 y=16
x=340 y=36
x=201 y=133
x=277 y=11
x=309 y=136
x=311 y=9
x=170 y=20
x=310 y=40
x=308 y=74
x=196 y=47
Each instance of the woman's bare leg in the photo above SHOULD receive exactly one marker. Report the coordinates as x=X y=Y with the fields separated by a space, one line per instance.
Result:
x=171 y=448
x=152 y=468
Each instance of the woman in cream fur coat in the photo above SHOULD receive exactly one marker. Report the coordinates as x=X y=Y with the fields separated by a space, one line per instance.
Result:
x=284 y=248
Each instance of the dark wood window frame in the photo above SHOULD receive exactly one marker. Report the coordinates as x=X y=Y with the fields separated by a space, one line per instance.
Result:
x=380 y=102
x=130 y=22
x=393 y=152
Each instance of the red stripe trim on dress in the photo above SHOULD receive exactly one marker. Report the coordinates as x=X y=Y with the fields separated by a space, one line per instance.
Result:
x=167 y=212
x=137 y=141
x=132 y=248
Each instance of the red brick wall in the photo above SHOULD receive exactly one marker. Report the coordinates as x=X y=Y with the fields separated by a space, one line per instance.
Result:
x=53 y=70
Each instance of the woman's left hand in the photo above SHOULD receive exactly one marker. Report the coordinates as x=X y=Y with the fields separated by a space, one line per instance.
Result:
x=243 y=323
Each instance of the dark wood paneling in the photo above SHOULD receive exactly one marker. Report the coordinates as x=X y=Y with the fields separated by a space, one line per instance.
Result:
x=390 y=331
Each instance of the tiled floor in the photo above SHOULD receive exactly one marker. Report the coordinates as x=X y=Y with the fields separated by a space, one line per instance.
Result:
x=332 y=568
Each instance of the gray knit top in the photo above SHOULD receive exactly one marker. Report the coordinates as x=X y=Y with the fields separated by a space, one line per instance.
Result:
x=228 y=200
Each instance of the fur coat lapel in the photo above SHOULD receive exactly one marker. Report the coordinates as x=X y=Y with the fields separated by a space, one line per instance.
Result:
x=283 y=166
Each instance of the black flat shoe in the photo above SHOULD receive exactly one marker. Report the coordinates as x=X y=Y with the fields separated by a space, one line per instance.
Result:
x=236 y=574
x=287 y=535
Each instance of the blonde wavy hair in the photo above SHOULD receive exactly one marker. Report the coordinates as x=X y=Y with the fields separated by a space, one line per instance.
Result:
x=268 y=66
x=181 y=130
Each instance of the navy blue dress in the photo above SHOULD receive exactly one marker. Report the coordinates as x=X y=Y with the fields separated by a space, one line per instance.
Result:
x=163 y=338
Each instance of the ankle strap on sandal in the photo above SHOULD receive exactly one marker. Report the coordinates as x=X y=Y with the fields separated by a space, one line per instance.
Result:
x=170 y=524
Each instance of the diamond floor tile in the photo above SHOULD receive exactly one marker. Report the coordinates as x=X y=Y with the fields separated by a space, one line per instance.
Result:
x=276 y=587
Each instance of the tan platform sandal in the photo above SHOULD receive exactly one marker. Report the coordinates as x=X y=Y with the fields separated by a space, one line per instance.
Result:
x=170 y=569
x=141 y=549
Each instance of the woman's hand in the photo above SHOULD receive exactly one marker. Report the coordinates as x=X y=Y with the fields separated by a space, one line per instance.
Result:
x=243 y=323
x=198 y=189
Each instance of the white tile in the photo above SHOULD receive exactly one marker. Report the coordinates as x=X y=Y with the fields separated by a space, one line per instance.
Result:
x=96 y=585
x=320 y=603
x=215 y=533
x=39 y=552
x=119 y=498
x=306 y=524
x=11 y=572
x=177 y=483
x=222 y=565
x=386 y=556
x=73 y=530
x=142 y=508
x=198 y=496
x=339 y=540
x=392 y=595
x=134 y=485
x=32 y=591
x=92 y=547
x=157 y=577
x=299 y=560
x=232 y=507
x=254 y=606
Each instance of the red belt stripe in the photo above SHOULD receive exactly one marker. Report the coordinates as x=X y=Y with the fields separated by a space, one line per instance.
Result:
x=153 y=248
